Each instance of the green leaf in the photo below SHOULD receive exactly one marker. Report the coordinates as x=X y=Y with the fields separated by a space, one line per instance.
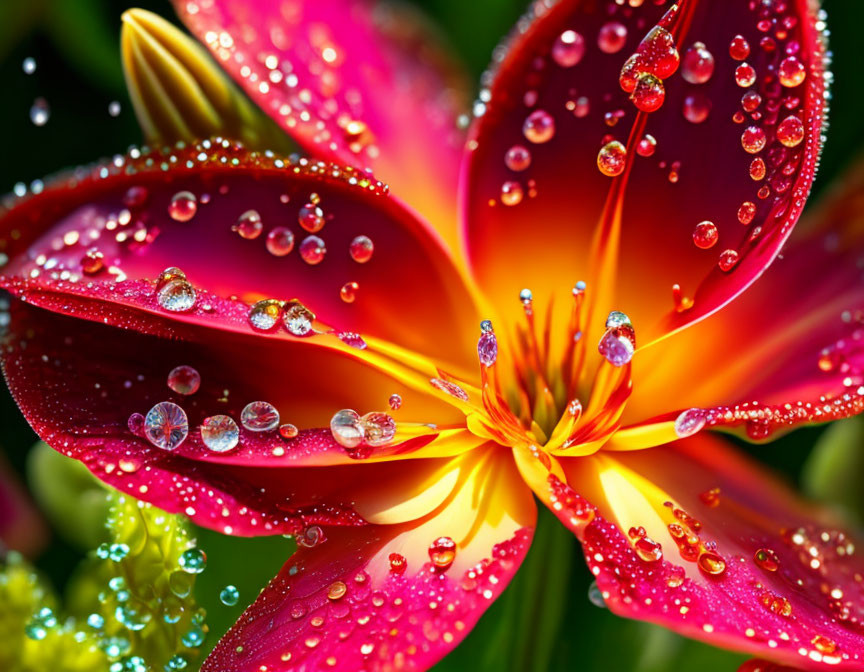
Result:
x=833 y=471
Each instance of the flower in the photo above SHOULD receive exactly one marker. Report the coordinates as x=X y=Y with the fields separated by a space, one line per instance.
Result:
x=166 y=332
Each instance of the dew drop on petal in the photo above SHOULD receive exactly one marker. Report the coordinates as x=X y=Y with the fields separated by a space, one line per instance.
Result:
x=766 y=559
x=176 y=295
x=745 y=75
x=753 y=139
x=184 y=380
x=442 y=553
x=183 y=206
x=517 y=158
x=298 y=319
x=348 y=292
x=746 y=212
x=351 y=339
x=739 y=48
x=791 y=72
x=790 y=131
x=595 y=597
x=248 y=225
x=280 y=241
x=220 y=433
x=612 y=37
x=92 y=262
x=378 y=428
x=728 y=260
x=697 y=66
x=337 y=590
x=311 y=218
x=361 y=249
x=449 y=388
x=568 y=49
x=689 y=422
x=398 y=563
x=135 y=423
x=347 y=428
x=711 y=563
x=229 y=596
x=40 y=112
x=539 y=127
x=288 y=431
x=166 y=425
x=264 y=315
x=705 y=235
x=259 y=416
x=395 y=402
x=758 y=169
x=511 y=193
x=612 y=158
x=312 y=250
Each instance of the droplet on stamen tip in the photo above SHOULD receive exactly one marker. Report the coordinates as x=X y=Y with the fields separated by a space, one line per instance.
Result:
x=487 y=347
x=526 y=296
x=617 y=319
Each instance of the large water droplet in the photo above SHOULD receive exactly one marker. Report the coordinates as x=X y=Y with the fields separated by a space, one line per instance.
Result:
x=689 y=422
x=395 y=402
x=346 y=427
x=612 y=158
x=166 y=425
x=728 y=260
x=183 y=206
x=184 y=380
x=361 y=249
x=790 y=131
x=311 y=218
x=487 y=348
x=442 y=553
x=249 y=225
x=259 y=416
x=595 y=596
x=348 y=292
x=312 y=250
x=568 y=49
x=612 y=37
x=378 y=429
x=517 y=158
x=539 y=127
x=28 y=65
x=264 y=315
x=220 y=433
x=229 y=596
x=649 y=92
x=705 y=235
x=753 y=139
x=511 y=193
x=791 y=72
x=616 y=347
x=176 y=295
x=280 y=241
x=193 y=561
x=298 y=319
x=697 y=65
x=739 y=48
x=745 y=75
x=696 y=107
x=40 y=112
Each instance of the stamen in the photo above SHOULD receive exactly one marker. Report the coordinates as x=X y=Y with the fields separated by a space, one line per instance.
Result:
x=574 y=353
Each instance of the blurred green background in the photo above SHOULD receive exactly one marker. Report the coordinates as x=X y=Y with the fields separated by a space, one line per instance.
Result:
x=545 y=619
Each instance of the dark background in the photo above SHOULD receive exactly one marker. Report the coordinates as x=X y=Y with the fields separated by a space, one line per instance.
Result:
x=546 y=614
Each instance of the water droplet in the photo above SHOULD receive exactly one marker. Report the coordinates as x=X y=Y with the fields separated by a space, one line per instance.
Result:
x=689 y=422
x=711 y=563
x=40 y=112
x=248 y=225
x=398 y=563
x=568 y=49
x=776 y=604
x=618 y=319
x=824 y=645
x=133 y=614
x=442 y=553
x=696 y=108
x=616 y=346
x=298 y=319
x=646 y=146
x=676 y=576
x=288 y=431
x=705 y=235
x=28 y=65
x=511 y=193
x=753 y=139
x=184 y=380
x=750 y=101
x=612 y=158
x=135 y=197
x=395 y=402
x=135 y=423
x=220 y=433
x=183 y=206
x=766 y=559
x=739 y=48
x=310 y=537
x=539 y=127
x=361 y=249
x=92 y=262
x=348 y=292
x=746 y=212
x=229 y=596
x=311 y=218
x=265 y=314
x=312 y=250
x=648 y=549
x=649 y=92
x=487 y=348
x=612 y=37
x=193 y=638
x=259 y=416
x=347 y=428
x=745 y=75
x=710 y=498
x=595 y=597
x=114 y=108
x=280 y=241
x=517 y=158
x=728 y=260
x=758 y=169
x=791 y=72
x=166 y=425
x=337 y=590
x=449 y=388
x=790 y=131
x=177 y=296
x=378 y=429
x=351 y=339
x=697 y=66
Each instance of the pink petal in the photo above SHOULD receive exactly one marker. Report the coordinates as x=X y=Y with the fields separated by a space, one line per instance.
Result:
x=355 y=82
x=791 y=350
x=798 y=602
x=630 y=237
x=351 y=604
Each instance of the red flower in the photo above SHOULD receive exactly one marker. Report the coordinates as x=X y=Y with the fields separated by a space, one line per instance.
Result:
x=648 y=149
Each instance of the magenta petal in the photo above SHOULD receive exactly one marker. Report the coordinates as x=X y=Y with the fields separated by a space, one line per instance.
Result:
x=360 y=83
x=784 y=582
x=552 y=213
